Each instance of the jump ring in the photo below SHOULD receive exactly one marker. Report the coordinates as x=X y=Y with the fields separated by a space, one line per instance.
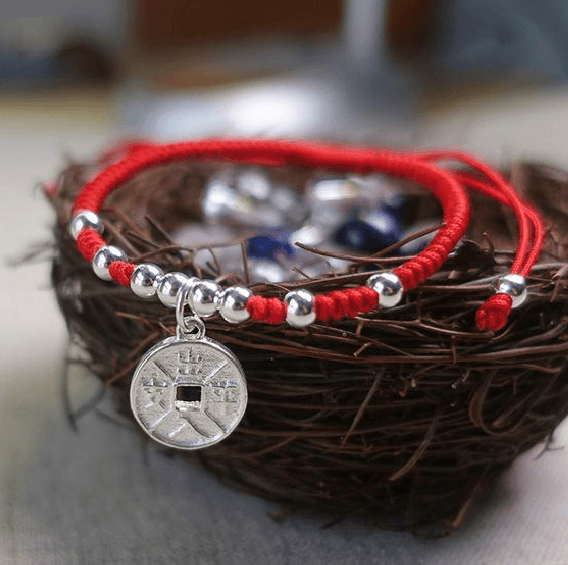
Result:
x=187 y=325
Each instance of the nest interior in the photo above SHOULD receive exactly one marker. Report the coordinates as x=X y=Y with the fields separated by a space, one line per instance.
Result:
x=405 y=415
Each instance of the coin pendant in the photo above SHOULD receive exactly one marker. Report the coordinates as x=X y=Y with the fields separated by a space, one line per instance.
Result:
x=188 y=393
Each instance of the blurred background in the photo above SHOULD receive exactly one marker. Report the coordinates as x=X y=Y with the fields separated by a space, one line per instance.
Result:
x=485 y=75
x=396 y=71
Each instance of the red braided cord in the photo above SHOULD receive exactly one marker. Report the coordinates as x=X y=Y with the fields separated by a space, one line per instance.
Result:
x=350 y=302
x=276 y=152
x=493 y=313
x=89 y=241
x=269 y=310
x=507 y=191
x=416 y=166
x=121 y=272
x=537 y=229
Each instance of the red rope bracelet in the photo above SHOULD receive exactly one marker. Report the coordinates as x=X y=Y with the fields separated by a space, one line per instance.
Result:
x=494 y=312
x=447 y=185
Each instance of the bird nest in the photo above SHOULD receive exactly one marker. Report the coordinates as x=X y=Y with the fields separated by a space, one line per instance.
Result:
x=404 y=415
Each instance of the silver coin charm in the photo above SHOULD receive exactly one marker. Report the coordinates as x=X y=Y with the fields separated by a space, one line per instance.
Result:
x=188 y=391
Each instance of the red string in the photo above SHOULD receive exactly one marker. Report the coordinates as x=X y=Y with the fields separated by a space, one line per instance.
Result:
x=350 y=302
x=419 y=167
x=121 y=272
x=493 y=313
x=277 y=152
x=527 y=217
x=269 y=310
x=89 y=241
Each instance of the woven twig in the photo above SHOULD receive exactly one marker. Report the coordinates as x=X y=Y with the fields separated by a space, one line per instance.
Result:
x=405 y=415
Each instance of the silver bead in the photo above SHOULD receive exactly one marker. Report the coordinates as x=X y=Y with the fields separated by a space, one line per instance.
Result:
x=514 y=286
x=104 y=257
x=203 y=298
x=388 y=287
x=83 y=220
x=168 y=287
x=300 y=311
x=233 y=304
x=145 y=280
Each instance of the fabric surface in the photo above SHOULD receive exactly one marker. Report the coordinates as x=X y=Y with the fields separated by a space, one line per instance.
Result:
x=99 y=496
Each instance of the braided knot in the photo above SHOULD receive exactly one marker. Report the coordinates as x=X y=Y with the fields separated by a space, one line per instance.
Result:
x=423 y=266
x=341 y=303
x=493 y=313
x=89 y=241
x=269 y=310
x=121 y=272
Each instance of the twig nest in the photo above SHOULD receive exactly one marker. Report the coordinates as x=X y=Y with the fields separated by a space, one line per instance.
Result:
x=404 y=415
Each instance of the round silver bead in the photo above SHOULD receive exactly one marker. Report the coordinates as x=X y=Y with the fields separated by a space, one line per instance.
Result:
x=104 y=257
x=300 y=312
x=83 y=220
x=388 y=287
x=203 y=298
x=168 y=286
x=233 y=304
x=514 y=286
x=145 y=280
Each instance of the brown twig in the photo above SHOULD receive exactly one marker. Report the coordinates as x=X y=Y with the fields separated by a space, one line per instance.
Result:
x=404 y=415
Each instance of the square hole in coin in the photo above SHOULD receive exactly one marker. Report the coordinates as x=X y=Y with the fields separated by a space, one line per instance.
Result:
x=188 y=396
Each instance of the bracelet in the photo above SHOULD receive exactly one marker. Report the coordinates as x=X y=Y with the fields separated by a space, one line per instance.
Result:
x=236 y=304
x=189 y=391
